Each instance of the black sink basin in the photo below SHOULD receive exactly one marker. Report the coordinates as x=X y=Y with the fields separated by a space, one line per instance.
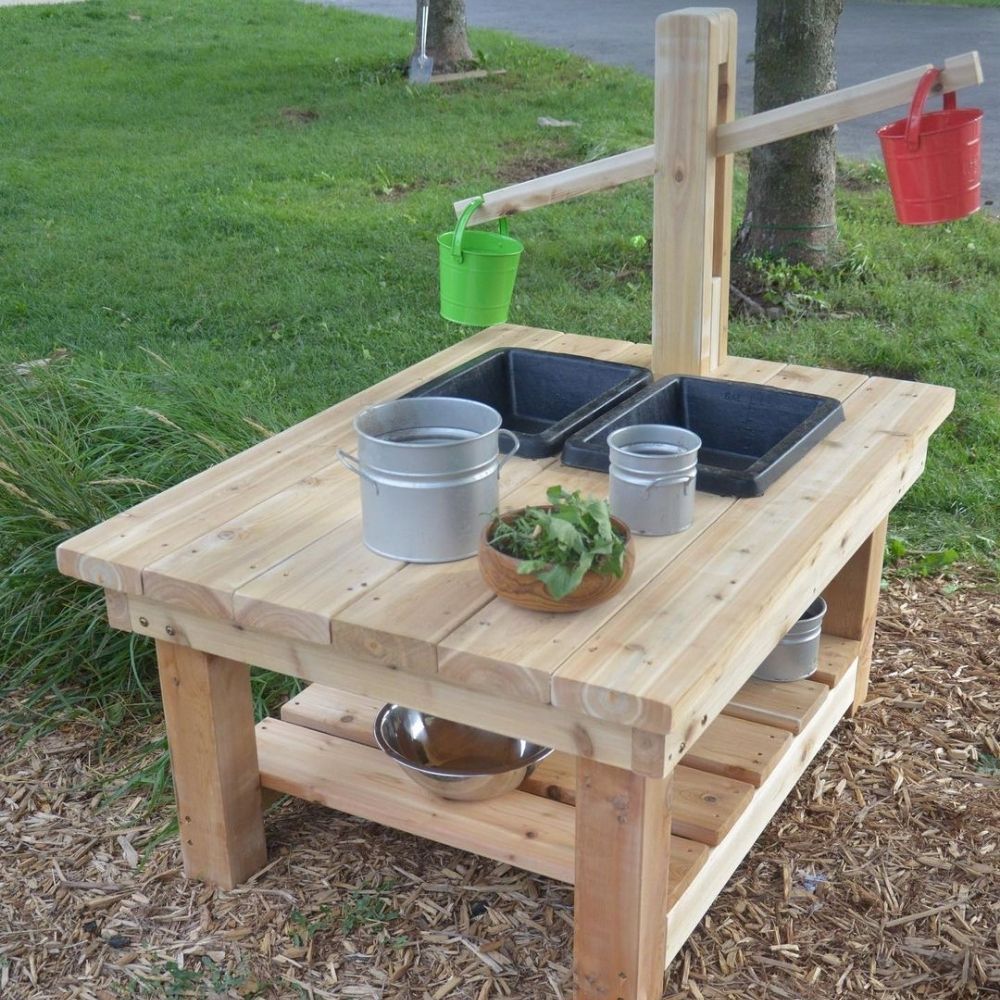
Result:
x=750 y=433
x=542 y=397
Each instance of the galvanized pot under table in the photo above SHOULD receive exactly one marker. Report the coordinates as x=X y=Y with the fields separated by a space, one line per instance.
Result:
x=670 y=760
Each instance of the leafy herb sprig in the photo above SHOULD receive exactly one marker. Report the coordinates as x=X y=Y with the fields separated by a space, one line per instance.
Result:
x=558 y=545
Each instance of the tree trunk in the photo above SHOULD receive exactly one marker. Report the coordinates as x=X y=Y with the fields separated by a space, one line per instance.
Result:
x=791 y=209
x=447 y=43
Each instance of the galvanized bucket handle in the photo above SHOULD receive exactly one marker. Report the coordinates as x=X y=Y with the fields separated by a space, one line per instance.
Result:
x=470 y=210
x=686 y=480
x=504 y=459
x=351 y=462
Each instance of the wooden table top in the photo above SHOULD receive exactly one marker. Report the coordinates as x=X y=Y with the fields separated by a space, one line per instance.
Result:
x=270 y=540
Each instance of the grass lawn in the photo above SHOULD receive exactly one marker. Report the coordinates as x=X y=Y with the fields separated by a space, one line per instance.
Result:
x=252 y=192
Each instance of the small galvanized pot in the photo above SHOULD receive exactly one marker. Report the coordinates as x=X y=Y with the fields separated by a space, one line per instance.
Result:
x=796 y=657
x=652 y=477
x=429 y=471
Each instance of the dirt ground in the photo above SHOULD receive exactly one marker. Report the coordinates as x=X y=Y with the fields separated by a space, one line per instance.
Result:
x=880 y=877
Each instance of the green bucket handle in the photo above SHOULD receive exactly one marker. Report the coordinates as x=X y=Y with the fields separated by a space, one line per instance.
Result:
x=470 y=210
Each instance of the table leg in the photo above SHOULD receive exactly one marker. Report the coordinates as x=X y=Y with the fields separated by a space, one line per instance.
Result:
x=852 y=599
x=620 y=900
x=213 y=755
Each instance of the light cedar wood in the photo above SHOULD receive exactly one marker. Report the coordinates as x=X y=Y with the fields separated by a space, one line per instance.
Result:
x=620 y=894
x=731 y=137
x=320 y=664
x=784 y=705
x=116 y=605
x=690 y=47
x=114 y=553
x=723 y=209
x=213 y=757
x=734 y=748
x=505 y=650
x=852 y=603
x=285 y=774
x=836 y=656
x=729 y=597
x=518 y=829
x=842 y=105
x=724 y=859
x=706 y=805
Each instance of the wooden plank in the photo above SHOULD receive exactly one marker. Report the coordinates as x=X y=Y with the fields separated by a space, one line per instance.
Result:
x=731 y=137
x=690 y=46
x=843 y=105
x=852 y=603
x=787 y=706
x=735 y=748
x=517 y=829
x=116 y=605
x=403 y=619
x=564 y=730
x=508 y=650
x=469 y=74
x=722 y=237
x=836 y=657
x=724 y=859
x=113 y=554
x=608 y=172
x=685 y=857
x=737 y=589
x=706 y=805
x=213 y=757
x=686 y=860
x=620 y=898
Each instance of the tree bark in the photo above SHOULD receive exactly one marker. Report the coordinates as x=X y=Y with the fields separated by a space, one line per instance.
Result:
x=791 y=207
x=447 y=42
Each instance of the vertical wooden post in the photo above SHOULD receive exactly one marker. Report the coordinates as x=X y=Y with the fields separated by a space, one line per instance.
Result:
x=620 y=907
x=852 y=600
x=692 y=189
x=213 y=755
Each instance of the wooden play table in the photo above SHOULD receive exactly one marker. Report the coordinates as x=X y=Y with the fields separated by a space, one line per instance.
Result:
x=260 y=560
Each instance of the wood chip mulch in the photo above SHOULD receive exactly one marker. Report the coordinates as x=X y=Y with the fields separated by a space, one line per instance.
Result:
x=880 y=877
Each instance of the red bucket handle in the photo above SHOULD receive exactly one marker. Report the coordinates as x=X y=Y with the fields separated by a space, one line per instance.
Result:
x=927 y=81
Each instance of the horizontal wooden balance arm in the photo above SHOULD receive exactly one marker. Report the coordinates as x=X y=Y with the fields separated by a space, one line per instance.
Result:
x=755 y=130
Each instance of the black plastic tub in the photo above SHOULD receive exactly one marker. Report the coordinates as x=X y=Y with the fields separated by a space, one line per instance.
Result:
x=542 y=397
x=750 y=433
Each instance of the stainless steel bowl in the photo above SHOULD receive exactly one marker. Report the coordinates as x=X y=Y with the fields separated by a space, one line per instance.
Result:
x=452 y=760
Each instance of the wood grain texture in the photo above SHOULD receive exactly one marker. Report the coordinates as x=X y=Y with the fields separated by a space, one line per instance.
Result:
x=731 y=137
x=116 y=605
x=517 y=829
x=836 y=656
x=788 y=705
x=729 y=597
x=213 y=757
x=724 y=859
x=576 y=734
x=113 y=553
x=738 y=749
x=620 y=896
x=852 y=603
x=688 y=219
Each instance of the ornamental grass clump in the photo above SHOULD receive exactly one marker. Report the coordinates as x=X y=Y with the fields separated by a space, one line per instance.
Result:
x=560 y=544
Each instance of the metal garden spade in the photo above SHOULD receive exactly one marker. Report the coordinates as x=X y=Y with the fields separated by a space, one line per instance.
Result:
x=421 y=65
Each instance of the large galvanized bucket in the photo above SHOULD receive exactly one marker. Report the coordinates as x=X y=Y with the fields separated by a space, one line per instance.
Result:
x=653 y=472
x=429 y=471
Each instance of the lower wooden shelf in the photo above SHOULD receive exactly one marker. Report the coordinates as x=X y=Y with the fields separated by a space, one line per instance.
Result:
x=727 y=788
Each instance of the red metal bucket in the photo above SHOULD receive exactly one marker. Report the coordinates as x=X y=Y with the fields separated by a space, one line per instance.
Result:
x=933 y=161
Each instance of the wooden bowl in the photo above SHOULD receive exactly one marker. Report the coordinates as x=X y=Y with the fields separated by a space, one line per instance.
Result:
x=500 y=573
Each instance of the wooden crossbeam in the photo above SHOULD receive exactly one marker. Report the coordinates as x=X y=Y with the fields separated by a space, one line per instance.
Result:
x=755 y=130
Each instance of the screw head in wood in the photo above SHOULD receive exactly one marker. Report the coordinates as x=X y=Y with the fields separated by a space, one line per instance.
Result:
x=171 y=630
x=144 y=622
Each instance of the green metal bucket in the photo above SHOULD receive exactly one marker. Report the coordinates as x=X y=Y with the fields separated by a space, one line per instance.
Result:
x=477 y=272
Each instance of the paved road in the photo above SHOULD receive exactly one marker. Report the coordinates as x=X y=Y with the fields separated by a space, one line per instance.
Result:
x=874 y=39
